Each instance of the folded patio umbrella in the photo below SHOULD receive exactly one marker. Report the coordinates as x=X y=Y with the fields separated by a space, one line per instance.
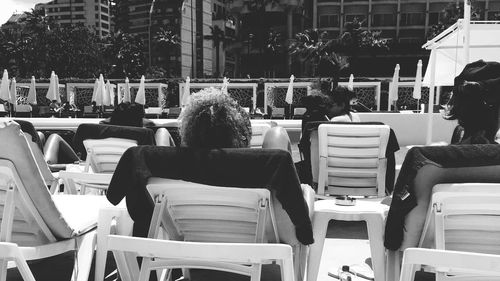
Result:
x=126 y=91
x=4 y=86
x=100 y=91
x=13 y=93
x=141 y=92
x=186 y=93
x=289 y=91
x=111 y=93
x=225 y=83
x=393 y=90
x=106 y=99
x=417 y=89
x=94 y=91
x=31 y=99
x=350 y=84
x=53 y=91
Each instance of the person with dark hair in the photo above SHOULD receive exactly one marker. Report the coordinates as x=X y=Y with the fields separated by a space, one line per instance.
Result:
x=132 y=114
x=475 y=103
x=129 y=114
x=340 y=106
x=214 y=120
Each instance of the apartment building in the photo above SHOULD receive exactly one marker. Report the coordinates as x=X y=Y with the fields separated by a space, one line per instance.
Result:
x=403 y=20
x=92 y=13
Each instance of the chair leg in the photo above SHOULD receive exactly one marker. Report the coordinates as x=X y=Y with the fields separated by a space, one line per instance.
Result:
x=320 y=225
x=375 y=227
x=11 y=251
x=393 y=265
x=84 y=256
x=3 y=269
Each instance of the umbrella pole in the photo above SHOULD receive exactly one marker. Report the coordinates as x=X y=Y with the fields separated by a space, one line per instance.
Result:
x=418 y=104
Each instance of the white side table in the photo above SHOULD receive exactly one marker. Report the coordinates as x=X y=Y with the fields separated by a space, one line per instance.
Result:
x=372 y=212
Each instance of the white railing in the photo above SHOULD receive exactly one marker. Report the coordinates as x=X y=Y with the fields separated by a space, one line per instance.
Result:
x=268 y=86
x=375 y=85
x=70 y=89
x=37 y=85
x=201 y=86
x=411 y=84
x=158 y=86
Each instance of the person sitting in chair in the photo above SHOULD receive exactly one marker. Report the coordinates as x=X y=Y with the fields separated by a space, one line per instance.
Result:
x=214 y=120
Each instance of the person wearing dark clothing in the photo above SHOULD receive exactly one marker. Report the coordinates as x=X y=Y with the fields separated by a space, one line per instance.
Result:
x=475 y=103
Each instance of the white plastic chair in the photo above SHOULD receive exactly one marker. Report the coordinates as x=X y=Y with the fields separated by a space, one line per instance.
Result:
x=102 y=158
x=446 y=262
x=352 y=159
x=258 y=133
x=240 y=258
x=352 y=162
x=299 y=112
x=194 y=212
x=36 y=224
x=466 y=220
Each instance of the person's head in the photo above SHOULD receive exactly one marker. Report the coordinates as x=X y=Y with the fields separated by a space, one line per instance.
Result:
x=339 y=101
x=127 y=114
x=214 y=120
x=468 y=106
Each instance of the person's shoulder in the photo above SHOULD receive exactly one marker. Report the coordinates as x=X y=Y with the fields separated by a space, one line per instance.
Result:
x=341 y=118
x=355 y=117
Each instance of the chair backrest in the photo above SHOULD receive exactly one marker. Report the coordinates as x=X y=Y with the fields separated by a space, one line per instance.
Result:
x=23 y=108
x=29 y=216
x=258 y=134
x=203 y=213
x=449 y=262
x=153 y=110
x=278 y=112
x=352 y=159
x=103 y=154
x=467 y=221
x=298 y=112
x=88 y=109
x=174 y=111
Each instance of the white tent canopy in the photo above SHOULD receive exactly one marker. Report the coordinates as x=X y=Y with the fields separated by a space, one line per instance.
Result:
x=448 y=49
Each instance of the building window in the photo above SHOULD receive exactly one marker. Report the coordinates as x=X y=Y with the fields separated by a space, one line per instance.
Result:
x=96 y=16
x=383 y=20
x=78 y=9
x=328 y=21
x=434 y=18
x=412 y=19
x=79 y=17
x=64 y=9
x=104 y=10
x=350 y=18
x=105 y=25
x=104 y=17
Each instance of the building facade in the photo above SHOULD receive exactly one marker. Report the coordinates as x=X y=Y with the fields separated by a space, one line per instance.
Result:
x=92 y=13
x=190 y=20
x=404 y=21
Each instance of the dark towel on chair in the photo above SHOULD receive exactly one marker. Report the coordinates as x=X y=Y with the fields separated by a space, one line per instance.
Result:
x=392 y=147
x=452 y=156
x=143 y=136
x=28 y=127
x=232 y=167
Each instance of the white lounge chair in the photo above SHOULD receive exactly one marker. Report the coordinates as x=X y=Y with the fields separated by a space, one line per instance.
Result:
x=36 y=224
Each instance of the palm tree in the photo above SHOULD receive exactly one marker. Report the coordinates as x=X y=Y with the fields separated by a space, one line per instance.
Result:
x=311 y=46
x=165 y=40
x=274 y=47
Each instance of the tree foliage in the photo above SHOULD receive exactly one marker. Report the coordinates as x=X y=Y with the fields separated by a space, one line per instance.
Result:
x=450 y=14
x=36 y=46
x=329 y=56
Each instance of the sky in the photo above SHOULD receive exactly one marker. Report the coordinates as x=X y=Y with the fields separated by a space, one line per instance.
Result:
x=7 y=7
